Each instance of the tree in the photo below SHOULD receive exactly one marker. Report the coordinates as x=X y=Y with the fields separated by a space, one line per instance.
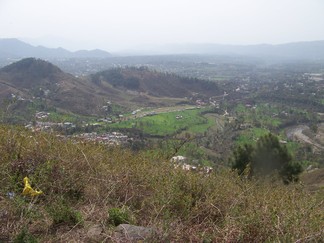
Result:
x=290 y=172
x=242 y=157
x=267 y=157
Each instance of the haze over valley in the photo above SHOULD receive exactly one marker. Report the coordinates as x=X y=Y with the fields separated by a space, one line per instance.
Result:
x=173 y=121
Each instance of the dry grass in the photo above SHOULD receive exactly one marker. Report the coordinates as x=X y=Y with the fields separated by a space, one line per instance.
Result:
x=82 y=182
x=314 y=179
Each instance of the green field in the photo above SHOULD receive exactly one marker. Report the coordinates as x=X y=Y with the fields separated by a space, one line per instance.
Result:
x=170 y=123
x=265 y=115
x=251 y=135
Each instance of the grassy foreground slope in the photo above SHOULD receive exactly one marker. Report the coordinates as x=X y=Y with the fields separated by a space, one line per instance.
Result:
x=87 y=184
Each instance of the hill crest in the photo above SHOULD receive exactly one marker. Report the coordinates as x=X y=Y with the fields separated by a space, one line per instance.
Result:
x=155 y=83
x=31 y=72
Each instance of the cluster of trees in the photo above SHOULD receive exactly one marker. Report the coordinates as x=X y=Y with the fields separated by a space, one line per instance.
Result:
x=116 y=78
x=267 y=157
x=155 y=83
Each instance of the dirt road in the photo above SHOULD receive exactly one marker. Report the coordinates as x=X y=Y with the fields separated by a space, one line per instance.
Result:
x=297 y=134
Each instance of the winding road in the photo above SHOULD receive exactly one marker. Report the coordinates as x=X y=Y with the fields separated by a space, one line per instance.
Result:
x=297 y=133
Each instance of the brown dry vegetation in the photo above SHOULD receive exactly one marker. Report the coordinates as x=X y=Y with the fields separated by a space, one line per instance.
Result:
x=82 y=182
x=314 y=179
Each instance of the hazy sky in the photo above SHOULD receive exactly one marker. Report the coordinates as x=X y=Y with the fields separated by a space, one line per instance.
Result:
x=116 y=25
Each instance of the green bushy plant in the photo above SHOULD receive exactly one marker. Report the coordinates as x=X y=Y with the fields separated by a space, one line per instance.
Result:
x=117 y=216
x=61 y=213
x=25 y=237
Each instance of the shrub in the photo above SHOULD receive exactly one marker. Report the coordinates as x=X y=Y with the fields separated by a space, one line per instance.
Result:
x=25 y=237
x=118 y=216
x=61 y=213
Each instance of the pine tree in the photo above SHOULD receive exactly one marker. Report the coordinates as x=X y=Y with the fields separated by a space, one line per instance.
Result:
x=266 y=158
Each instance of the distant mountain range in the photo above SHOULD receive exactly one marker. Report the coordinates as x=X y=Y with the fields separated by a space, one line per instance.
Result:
x=295 y=50
x=312 y=50
x=14 y=48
